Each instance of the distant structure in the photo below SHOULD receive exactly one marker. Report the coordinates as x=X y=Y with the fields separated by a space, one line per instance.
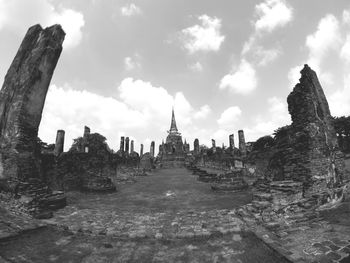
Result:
x=173 y=150
x=59 y=145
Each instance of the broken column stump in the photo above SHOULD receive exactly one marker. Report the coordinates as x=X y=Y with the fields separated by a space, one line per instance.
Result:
x=22 y=99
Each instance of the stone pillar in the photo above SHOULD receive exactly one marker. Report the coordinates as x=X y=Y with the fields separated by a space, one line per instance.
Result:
x=242 y=145
x=132 y=146
x=86 y=131
x=213 y=145
x=141 y=150
x=232 y=142
x=121 y=148
x=196 y=146
x=127 y=145
x=22 y=100
x=59 y=145
x=152 y=149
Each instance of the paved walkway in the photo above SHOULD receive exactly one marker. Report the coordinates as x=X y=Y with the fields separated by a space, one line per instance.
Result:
x=166 y=217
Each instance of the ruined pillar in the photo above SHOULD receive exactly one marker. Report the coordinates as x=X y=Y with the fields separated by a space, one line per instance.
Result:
x=86 y=131
x=307 y=151
x=127 y=145
x=22 y=99
x=196 y=146
x=59 y=145
x=241 y=141
x=152 y=149
x=121 y=147
x=141 y=150
x=213 y=145
x=132 y=146
x=232 y=142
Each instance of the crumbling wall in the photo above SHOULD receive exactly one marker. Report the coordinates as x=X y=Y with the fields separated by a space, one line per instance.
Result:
x=22 y=99
x=307 y=151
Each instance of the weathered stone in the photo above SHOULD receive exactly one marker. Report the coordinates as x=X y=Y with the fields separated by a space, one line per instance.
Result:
x=307 y=151
x=22 y=99
x=196 y=147
x=242 y=144
x=59 y=145
x=141 y=150
x=152 y=149
x=121 y=148
x=174 y=150
x=86 y=131
x=127 y=145
x=132 y=146
x=232 y=142
x=213 y=145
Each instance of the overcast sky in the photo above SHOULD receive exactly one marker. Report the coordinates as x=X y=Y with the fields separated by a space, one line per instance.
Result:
x=225 y=65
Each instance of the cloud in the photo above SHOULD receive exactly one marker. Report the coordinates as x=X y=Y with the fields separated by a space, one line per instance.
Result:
x=242 y=81
x=130 y=10
x=277 y=116
x=18 y=16
x=203 y=112
x=266 y=56
x=272 y=14
x=140 y=109
x=326 y=38
x=229 y=117
x=131 y=63
x=204 y=37
x=196 y=67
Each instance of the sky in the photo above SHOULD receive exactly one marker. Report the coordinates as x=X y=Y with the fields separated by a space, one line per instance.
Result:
x=224 y=65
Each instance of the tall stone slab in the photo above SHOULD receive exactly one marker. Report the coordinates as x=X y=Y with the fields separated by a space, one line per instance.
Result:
x=196 y=146
x=307 y=151
x=213 y=145
x=121 y=148
x=232 y=142
x=152 y=149
x=242 y=145
x=127 y=145
x=141 y=150
x=59 y=145
x=22 y=99
x=87 y=131
x=132 y=146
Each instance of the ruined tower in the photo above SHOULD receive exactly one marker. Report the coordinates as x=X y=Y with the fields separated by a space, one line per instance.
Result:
x=22 y=99
x=121 y=148
x=232 y=142
x=141 y=150
x=196 y=147
x=132 y=146
x=152 y=149
x=127 y=145
x=307 y=151
x=213 y=145
x=242 y=145
x=59 y=145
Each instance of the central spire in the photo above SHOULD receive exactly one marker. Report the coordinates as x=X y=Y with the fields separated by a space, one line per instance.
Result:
x=173 y=128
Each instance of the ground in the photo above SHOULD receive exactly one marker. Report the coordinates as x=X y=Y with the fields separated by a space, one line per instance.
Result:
x=167 y=216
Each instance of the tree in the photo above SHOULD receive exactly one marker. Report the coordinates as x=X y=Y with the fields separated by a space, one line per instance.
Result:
x=263 y=143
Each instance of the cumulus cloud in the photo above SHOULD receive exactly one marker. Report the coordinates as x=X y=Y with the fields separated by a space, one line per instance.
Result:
x=130 y=10
x=139 y=109
x=272 y=14
x=18 y=16
x=326 y=38
x=196 y=67
x=204 y=37
x=277 y=116
x=229 y=117
x=241 y=81
x=203 y=112
x=133 y=62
